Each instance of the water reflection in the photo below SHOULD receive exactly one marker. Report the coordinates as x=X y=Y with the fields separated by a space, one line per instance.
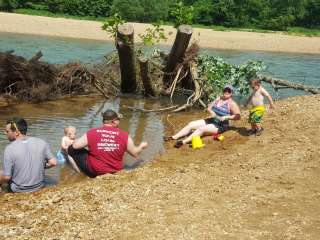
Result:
x=47 y=121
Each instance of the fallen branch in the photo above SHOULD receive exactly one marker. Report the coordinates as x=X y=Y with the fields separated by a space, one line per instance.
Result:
x=179 y=80
x=36 y=57
x=173 y=85
x=151 y=110
x=99 y=86
x=196 y=95
x=274 y=82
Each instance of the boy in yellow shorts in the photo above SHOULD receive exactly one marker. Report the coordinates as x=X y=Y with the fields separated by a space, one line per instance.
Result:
x=256 y=100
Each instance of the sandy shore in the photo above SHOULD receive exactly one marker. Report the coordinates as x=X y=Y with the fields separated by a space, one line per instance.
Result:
x=60 y=27
x=259 y=188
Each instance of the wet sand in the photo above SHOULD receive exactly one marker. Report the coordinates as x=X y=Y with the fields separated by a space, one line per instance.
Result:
x=246 y=187
x=60 y=27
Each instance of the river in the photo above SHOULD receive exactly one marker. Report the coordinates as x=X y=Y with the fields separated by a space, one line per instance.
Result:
x=48 y=119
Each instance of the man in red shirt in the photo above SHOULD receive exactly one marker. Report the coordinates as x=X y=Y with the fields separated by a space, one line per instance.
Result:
x=106 y=147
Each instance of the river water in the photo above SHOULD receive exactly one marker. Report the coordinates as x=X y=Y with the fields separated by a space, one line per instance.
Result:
x=48 y=119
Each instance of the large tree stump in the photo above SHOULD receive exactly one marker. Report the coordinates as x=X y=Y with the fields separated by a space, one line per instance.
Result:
x=125 y=47
x=178 y=50
x=144 y=75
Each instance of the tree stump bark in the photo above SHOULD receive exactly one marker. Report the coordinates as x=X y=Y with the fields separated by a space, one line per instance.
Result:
x=178 y=50
x=144 y=75
x=125 y=47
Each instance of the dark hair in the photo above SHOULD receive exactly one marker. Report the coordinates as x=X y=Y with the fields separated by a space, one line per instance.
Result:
x=110 y=115
x=18 y=124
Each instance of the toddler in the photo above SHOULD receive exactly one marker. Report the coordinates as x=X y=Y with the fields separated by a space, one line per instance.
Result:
x=256 y=100
x=70 y=133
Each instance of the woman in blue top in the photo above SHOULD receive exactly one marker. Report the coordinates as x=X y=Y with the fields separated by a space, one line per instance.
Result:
x=221 y=110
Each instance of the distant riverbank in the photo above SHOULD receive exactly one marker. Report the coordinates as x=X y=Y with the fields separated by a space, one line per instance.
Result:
x=207 y=38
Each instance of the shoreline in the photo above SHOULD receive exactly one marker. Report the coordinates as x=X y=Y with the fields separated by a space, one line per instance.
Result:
x=252 y=187
x=207 y=38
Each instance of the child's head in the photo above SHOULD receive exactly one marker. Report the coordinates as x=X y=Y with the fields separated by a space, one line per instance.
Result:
x=255 y=83
x=70 y=132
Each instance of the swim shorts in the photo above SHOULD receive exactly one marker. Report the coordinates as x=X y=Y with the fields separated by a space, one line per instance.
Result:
x=80 y=158
x=256 y=114
x=220 y=125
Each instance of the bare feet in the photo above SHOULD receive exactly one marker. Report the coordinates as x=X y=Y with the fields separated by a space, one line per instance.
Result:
x=178 y=144
x=167 y=138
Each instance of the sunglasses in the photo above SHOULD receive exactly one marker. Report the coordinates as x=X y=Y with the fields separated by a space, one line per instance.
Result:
x=227 y=90
x=14 y=126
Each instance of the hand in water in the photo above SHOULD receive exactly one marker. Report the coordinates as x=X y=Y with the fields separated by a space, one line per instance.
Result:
x=143 y=145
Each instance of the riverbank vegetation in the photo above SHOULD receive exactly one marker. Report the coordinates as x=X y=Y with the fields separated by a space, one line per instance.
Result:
x=296 y=17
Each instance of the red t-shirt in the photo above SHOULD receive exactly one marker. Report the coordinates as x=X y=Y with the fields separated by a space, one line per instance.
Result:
x=107 y=146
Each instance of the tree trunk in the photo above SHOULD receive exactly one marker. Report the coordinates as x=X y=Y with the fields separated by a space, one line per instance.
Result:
x=125 y=47
x=177 y=52
x=144 y=75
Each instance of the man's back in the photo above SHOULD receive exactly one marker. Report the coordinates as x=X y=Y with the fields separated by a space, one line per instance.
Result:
x=107 y=146
x=24 y=161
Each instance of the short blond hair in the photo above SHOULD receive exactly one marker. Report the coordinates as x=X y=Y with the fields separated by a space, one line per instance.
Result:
x=67 y=129
x=255 y=81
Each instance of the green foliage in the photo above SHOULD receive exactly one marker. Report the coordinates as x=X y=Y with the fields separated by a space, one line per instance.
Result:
x=141 y=10
x=299 y=31
x=55 y=5
x=112 y=23
x=265 y=14
x=80 y=7
x=56 y=15
x=153 y=35
x=5 y=5
x=182 y=14
x=9 y=5
x=218 y=73
x=311 y=17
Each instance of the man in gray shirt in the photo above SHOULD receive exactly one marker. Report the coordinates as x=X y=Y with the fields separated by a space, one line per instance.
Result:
x=25 y=158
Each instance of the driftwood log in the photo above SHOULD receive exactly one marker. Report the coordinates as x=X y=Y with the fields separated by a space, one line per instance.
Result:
x=144 y=75
x=275 y=82
x=125 y=47
x=177 y=52
x=36 y=57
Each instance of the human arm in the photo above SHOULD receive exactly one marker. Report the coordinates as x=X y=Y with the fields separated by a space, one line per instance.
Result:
x=6 y=174
x=81 y=142
x=4 y=179
x=134 y=150
x=212 y=113
x=50 y=159
x=209 y=108
x=248 y=100
x=268 y=96
x=65 y=143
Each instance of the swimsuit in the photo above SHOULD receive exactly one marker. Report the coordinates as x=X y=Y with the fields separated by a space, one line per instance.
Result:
x=221 y=111
x=256 y=114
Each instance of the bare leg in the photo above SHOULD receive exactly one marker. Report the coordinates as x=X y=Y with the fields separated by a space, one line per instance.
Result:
x=73 y=164
x=187 y=129
x=207 y=129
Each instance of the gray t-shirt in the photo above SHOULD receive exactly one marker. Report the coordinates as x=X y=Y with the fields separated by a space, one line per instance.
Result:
x=24 y=161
